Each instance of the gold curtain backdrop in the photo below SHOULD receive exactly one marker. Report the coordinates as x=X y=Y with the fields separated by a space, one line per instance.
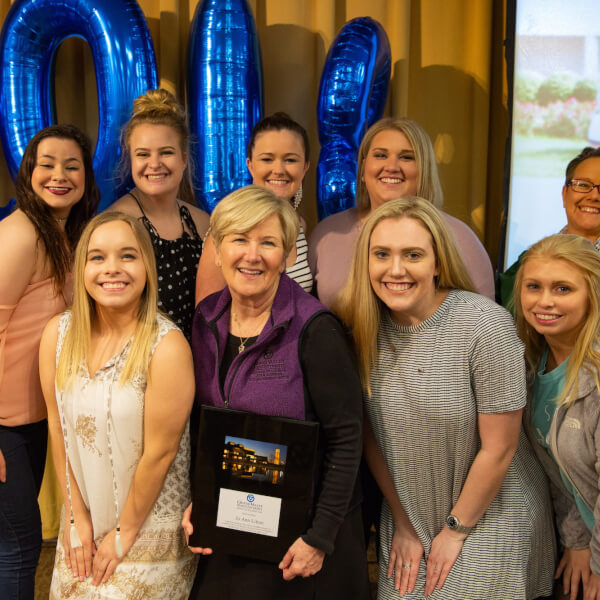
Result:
x=448 y=73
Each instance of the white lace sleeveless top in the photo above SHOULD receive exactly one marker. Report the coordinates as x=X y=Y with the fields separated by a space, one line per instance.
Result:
x=85 y=416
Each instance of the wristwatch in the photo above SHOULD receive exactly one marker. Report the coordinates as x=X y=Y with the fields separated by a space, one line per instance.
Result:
x=454 y=524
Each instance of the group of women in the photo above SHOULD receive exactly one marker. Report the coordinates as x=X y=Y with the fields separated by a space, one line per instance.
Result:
x=459 y=409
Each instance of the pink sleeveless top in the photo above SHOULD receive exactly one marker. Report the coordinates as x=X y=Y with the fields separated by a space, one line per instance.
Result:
x=21 y=326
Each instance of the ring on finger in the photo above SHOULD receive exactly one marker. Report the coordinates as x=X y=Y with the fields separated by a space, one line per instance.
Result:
x=406 y=565
x=436 y=569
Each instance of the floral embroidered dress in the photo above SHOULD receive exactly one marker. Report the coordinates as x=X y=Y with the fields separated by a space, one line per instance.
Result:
x=159 y=564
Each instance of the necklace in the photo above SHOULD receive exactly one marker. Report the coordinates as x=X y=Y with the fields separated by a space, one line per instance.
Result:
x=61 y=220
x=244 y=340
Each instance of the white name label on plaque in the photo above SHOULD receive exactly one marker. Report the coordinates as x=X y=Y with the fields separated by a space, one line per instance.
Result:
x=248 y=512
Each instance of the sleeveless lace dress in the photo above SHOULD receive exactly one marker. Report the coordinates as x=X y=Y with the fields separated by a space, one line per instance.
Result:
x=159 y=566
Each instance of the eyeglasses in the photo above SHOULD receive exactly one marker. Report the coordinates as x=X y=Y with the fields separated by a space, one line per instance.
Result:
x=583 y=187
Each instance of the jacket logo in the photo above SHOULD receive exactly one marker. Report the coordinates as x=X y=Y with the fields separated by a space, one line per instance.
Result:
x=572 y=423
x=269 y=369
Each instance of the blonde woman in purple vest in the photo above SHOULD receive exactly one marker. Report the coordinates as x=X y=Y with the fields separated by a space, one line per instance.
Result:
x=316 y=379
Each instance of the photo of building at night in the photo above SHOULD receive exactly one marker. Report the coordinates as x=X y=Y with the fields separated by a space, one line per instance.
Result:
x=252 y=459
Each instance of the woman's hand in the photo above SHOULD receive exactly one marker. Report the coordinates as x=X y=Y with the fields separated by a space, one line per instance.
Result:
x=301 y=559
x=574 y=566
x=405 y=558
x=591 y=588
x=79 y=559
x=186 y=523
x=107 y=559
x=445 y=548
x=2 y=468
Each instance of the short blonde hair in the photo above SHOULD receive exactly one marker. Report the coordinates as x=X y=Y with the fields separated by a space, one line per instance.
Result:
x=244 y=209
x=582 y=255
x=429 y=186
x=77 y=338
x=358 y=305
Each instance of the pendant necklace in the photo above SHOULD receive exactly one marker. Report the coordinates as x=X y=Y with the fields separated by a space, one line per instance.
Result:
x=243 y=341
x=242 y=345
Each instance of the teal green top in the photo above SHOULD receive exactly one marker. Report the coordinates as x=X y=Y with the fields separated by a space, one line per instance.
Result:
x=546 y=389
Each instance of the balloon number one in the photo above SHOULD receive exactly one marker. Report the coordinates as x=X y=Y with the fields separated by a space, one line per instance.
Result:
x=225 y=96
x=124 y=60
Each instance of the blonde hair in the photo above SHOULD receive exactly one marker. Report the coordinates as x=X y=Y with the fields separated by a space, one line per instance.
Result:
x=360 y=308
x=582 y=255
x=158 y=107
x=77 y=339
x=429 y=186
x=244 y=209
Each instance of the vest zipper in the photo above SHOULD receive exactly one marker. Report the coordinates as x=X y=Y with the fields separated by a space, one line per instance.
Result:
x=215 y=333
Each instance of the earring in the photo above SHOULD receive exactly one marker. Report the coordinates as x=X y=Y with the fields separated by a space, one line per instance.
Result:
x=297 y=198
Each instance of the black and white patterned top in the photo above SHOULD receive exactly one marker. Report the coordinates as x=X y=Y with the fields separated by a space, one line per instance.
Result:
x=300 y=271
x=176 y=264
x=429 y=384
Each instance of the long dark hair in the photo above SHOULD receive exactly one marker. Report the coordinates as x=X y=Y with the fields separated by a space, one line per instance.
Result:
x=59 y=246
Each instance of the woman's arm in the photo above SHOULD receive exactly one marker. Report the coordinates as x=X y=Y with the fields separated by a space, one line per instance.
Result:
x=499 y=435
x=18 y=242
x=167 y=404
x=497 y=379
x=407 y=550
x=209 y=278
x=333 y=386
x=78 y=558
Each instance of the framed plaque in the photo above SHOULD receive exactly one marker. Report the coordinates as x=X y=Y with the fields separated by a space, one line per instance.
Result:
x=254 y=482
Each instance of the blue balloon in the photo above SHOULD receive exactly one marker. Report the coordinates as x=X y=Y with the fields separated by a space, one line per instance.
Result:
x=352 y=96
x=125 y=66
x=6 y=210
x=224 y=96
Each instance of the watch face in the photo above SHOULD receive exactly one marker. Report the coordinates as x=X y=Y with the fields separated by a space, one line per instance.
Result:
x=452 y=522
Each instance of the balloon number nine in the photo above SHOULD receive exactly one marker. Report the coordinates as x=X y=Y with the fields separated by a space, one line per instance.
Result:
x=124 y=60
x=225 y=88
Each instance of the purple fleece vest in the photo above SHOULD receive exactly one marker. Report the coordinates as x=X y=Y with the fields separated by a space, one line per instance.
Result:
x=267 y=377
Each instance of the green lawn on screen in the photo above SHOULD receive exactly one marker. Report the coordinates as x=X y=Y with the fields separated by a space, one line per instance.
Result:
x=537 y=156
